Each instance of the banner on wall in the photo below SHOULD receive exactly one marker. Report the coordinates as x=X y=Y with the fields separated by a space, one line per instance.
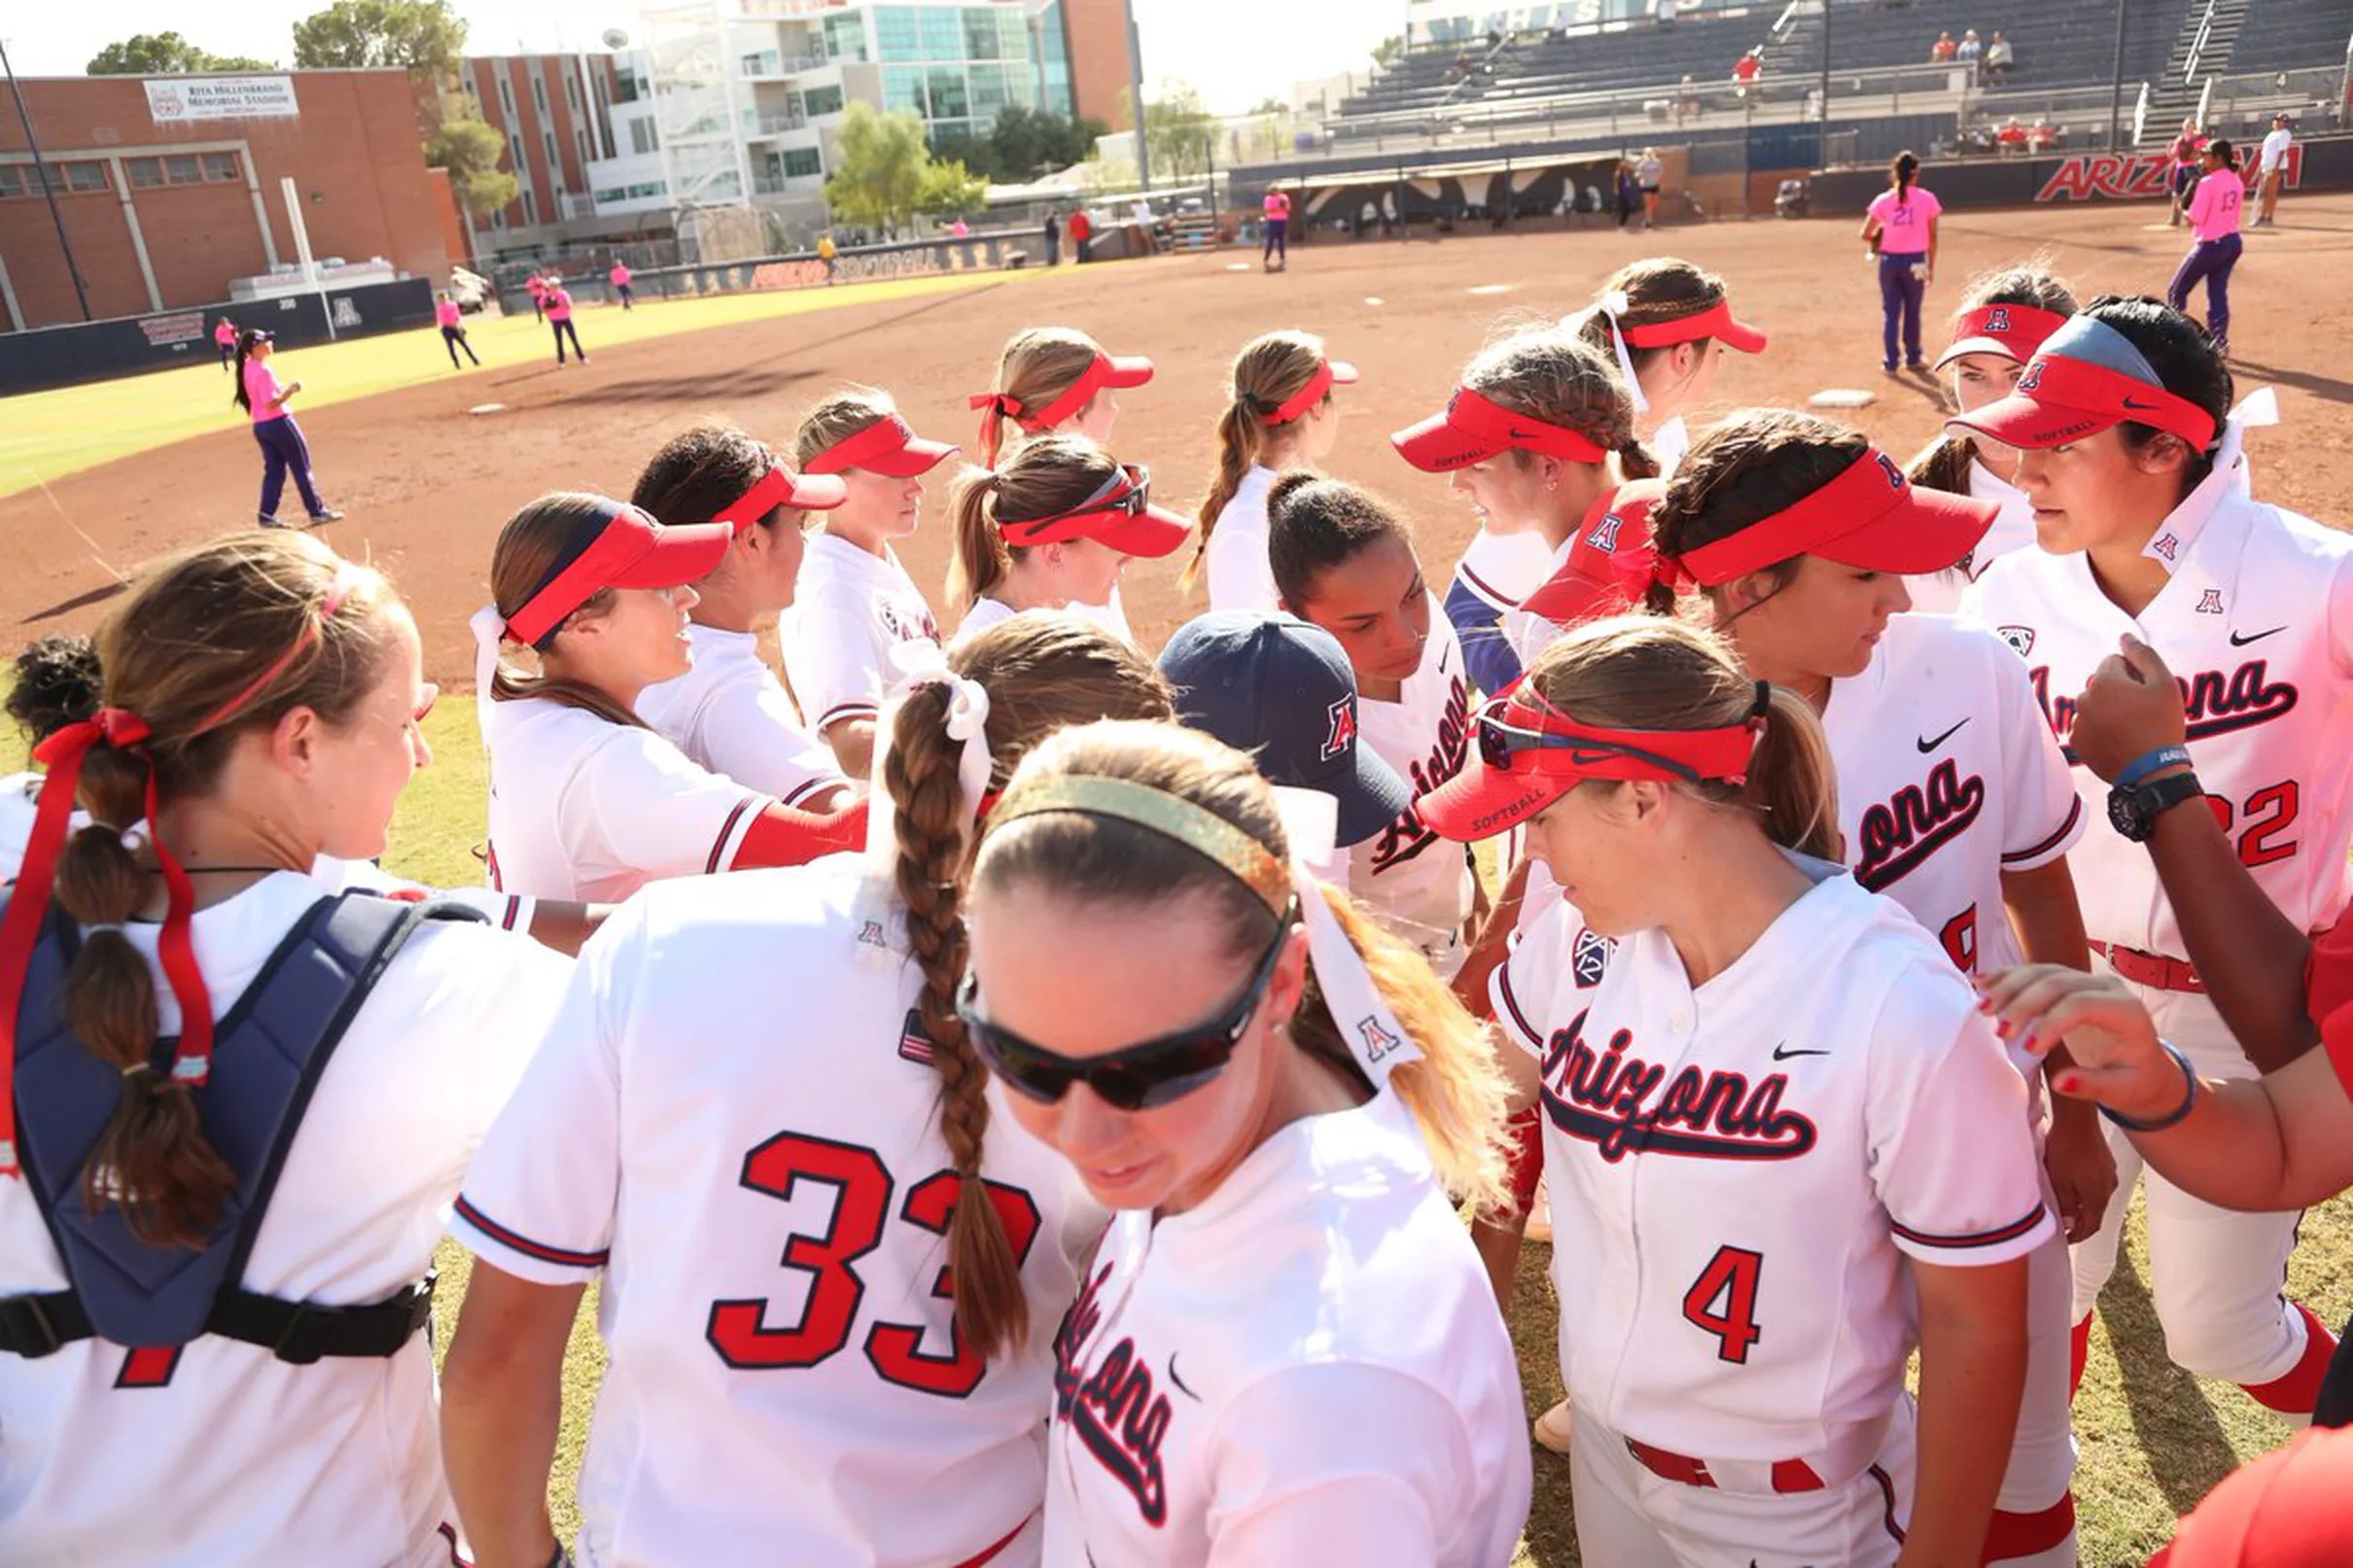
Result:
x=2137 y=176
x=178 y=100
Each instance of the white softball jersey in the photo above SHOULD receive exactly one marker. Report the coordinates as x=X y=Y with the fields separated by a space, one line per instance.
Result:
x=733 y=1124
x=1938 y=593
x=732 y=716
x=238 y=1456
x=1737 y=1167
x=1412 y=882
x=1505 y=569
x=988 y=613
x=1307 y=1367
x=850 y=610
x=1528 y=634
x=2257 y=622
x=1948 y=778
x=582 y=808
x=1239 y=576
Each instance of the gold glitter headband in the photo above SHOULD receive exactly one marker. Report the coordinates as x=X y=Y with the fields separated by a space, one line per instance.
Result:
x=1203 y=831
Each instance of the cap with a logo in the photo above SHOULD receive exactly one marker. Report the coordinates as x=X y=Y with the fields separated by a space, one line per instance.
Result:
x=1282 y=690
x=1869 y=516
x=629 y=549
x=1611 y=560
x=2013 y=332
x=1473 y=429
x=888 y=447
x=2085 y=378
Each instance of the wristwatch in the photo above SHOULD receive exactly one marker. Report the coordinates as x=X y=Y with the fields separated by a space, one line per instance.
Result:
x=2133 y=811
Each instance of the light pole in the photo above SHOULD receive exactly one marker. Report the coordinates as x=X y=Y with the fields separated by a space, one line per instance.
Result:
x=1144 y=157
x=49 y=192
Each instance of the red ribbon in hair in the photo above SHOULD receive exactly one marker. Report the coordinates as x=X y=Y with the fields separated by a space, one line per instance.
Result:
x=993 y=407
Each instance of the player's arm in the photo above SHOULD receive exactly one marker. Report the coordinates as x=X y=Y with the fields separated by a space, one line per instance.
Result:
x=2050 y=926
x=1487 y=653
x=1932 y=226
x=1491 y=945
x=2249 y=955
x=851 y=741
x=502 y=1399
x=1973 y=1373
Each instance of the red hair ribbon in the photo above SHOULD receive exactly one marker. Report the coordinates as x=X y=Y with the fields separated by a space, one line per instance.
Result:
x=993 y=407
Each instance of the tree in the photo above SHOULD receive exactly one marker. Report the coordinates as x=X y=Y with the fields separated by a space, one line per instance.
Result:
x=423 y=37
x=1178 y=132
x=879 y=168
x=166 y=55
x=1389 y=51
x=470 y=151
x=950 y=188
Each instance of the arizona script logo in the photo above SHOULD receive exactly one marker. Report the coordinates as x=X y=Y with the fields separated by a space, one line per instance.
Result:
x=1900 y=834
x=1613 y=1099
x=1407 y=836
x=2090 y=176
x=1115 y=1410
x=2217 y=704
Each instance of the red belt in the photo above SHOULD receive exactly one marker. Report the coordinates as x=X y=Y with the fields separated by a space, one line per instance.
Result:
x=1788 y=1474
x=2152 y=969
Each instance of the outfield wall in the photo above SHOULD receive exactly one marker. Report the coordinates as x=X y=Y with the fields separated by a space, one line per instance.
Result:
x=2321 y=164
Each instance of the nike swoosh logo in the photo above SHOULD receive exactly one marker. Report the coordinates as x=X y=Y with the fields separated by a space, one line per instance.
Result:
x=1782 y=1053
x=2237 y=640
x=2145 y=406
x=1927 y=747
x=1179 y=1381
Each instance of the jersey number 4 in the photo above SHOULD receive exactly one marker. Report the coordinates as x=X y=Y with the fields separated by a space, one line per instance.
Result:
x=740 y=1331
x=1729 y=1277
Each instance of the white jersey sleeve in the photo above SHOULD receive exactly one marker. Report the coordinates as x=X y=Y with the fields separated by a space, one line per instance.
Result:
x=1307 y=1469
x=754 y=737
x=1554 y=957
x=654 y=810
x=2340 y=613
x=1951 y=1145
x=836 y=659
x=1239 y=572
x=2042 y=814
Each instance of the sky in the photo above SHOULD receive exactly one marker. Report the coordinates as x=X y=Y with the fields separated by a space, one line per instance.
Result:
x=1237 y=51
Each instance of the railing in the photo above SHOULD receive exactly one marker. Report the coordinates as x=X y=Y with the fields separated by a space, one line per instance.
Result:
x=2314 y=95
x=574 y=204
x=763 y=68
x=778 y=124
x=2198 y=50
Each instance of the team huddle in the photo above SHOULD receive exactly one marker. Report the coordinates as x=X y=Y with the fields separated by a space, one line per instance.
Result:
x=1026 y=1100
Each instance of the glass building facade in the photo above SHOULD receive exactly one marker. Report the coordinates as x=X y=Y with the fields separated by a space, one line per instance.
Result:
x=955 y=67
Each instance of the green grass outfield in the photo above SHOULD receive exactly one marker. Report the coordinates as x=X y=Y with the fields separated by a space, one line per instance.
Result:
x=46 y=436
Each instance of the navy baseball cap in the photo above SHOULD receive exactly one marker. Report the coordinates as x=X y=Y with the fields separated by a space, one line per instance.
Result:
x=1282 y=690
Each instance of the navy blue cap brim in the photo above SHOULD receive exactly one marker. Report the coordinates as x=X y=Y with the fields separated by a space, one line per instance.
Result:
x=1371 y=796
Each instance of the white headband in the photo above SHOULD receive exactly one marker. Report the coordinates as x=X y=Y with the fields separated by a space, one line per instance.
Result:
x=1611 y=306
x=489 y=629
x=1310 y=819
x=923 y=664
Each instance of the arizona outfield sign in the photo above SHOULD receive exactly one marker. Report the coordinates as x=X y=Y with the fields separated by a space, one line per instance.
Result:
x=176 y=100
x=2092 y=175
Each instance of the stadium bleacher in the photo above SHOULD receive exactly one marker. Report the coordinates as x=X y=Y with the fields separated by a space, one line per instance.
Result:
x=2291 y=35
x=2064 y=45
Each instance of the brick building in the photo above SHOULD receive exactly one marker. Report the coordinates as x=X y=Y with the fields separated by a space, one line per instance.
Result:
x=168 y=186
x=554 y=110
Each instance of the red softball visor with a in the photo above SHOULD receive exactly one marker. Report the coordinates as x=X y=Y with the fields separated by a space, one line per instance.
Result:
x=631 y=550
x=779 y=486
x=2013 y=332
x=1717 y=321
x=1611 y=561
x=1473 y=429
x=1120 y=514
x=2085 y=378
x=1524 y=755
x=1119 y=372
x=1328 y=374
x=889 y=446
x=1869 y=517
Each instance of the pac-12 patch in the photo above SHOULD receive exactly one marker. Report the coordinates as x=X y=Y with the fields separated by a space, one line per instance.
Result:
x=1588 y=957
x=2019 y=637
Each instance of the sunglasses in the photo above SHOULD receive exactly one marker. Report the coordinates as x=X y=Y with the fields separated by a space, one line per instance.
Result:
x=1157 y=1072
x=1499 y=742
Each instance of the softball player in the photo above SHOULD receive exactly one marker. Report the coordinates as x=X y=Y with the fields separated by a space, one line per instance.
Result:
x=1529 y=437
x=1285 y=1349
x=1779 y=1110
x=2213 y=212
x=1276 y=209
x=1055 y=379
x=620 y=277
x=261 y=394
x=2131 y=461
x=586 y=801
x=253 y=1369
x=1343 y=560
x=729 y=713
x=1283 y=416
x=538 y=287
x=556 y=302
x=854 y=602
x=2003 y=319
x=1051 y=529
x=1900 y=228
x=848 y=1406
x=225 y=339
x=1665 y=324
x=453 y=328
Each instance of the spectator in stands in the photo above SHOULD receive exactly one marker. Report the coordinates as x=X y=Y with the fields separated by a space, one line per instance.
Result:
x=2043 y=135
x=2181 y=177
x=2011 y=138
x=1666 y=10
x=1999 y=56
x=1744 y=73
x=1687 y=98
x=1943 y=50
x=2273 y=167
x=1972 y=48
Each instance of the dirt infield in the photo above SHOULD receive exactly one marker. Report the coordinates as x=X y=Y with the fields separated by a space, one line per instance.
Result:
x=427 y=484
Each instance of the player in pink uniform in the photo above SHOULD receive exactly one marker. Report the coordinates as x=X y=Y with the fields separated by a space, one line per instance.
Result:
x=831 y=1265
x=2146 y=530
x=557 y=304
x=1784 y=1148
x=453 y=328
x=236 y=1344
x=262 y=395
x=620 y=277
x=1276 y=212
x=225 y=339
x=1900 y=228
x=2214 y=212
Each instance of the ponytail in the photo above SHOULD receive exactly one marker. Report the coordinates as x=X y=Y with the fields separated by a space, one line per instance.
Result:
x=978 y=557
x=1635 y=460
x=1241 y=436
x=238 y=395
x=152 y=1160
x=1944 y=464
x=992 y=1311
x=1790 y=782
x=1904 y=171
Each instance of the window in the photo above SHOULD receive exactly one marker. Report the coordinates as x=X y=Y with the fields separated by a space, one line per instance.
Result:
x=531 y=208
x=143 y=173
x=982 y=40
x=539 y=92
x=943 y=32
x=896 y=28
x=802 y=163
x=182 y=168
x=579 y=144
x=846 y=37
x=223 y=169
x=902 y=89
x=555 y=165
x=642 y=138
x=498 y=218
x=572 y=93
x=822 y=102
x=991 y=91
x=16 y=180
x=947 y=90
x=87 y=179
x=515 y=146
x=506 y=95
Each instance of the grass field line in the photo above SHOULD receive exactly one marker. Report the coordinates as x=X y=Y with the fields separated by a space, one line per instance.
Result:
x=46 y=436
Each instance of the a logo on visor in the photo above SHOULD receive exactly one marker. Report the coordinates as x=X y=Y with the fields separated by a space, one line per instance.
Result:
x=1342 y=734
x=1377 y=1041
x=1999 y=320
x=2033 y=381
x=1896 y=476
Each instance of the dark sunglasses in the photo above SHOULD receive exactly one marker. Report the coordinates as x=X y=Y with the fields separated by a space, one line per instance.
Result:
x=1498 y=743
x=1156 y=1072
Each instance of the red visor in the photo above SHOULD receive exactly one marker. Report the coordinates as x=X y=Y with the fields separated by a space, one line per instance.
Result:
x=1107 y=371
x=889 y=446
x=2061 y=399
x=1473 y=429
x=1611 y=561
x=1525 y=754
x=630 y=551
x=779 y=486
x=2011 y=332
x=1716 y=320
x=1869 y=517
x=1329 y=373
x=1119 y=514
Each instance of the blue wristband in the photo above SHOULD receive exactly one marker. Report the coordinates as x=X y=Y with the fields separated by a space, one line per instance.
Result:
x=2148 y=762
x=2174 y=1117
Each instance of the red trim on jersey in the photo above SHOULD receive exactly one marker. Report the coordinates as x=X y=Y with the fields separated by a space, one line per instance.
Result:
x=523 y=1244
x=514 y=911
x=1511 y=1004
x=726 y=830
x=2025 y=1535
x=1976 y=1239
x=449 y=1533
x=989 y=1555
x=1888 y=1497
x=846 y=710
x=2075 y=813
